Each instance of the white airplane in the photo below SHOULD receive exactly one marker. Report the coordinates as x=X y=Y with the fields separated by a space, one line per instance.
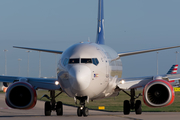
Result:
x=90 y=71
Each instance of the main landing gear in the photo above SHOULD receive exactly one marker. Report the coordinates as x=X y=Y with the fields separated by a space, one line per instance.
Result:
x=52 y=105
x=130 y=105
x=82 y=110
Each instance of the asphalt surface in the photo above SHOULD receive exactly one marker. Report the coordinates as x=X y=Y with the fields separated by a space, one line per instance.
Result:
x=70 y=113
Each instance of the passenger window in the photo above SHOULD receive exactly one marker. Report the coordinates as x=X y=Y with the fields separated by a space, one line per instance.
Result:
x=73 y=61
x=95 y=61
x=86 y=60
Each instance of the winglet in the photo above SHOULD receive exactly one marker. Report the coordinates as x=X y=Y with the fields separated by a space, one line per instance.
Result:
x=100 y=28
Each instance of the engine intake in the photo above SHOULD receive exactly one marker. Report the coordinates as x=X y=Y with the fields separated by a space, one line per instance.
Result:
x=21 y=95
x=158 y=93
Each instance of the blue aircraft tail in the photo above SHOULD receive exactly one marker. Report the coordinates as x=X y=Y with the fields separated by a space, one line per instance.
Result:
x=100 y=28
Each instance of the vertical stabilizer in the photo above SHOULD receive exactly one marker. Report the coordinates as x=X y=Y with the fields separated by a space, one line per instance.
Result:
x=100 y=28
x=173 y=69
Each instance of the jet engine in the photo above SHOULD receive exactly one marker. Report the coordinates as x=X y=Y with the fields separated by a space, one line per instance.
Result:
x=21 y=95
x=158 y=93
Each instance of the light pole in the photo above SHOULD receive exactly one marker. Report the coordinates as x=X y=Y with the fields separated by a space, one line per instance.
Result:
x=19 y=65
x=39 y=64
x=5 y=70
x=177 y=57
x=28 y=63
x=157 y=62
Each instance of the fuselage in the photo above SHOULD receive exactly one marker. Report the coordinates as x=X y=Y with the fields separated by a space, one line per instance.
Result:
x=87 y=69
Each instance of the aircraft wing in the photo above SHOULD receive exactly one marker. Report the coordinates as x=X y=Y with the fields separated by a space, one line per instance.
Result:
x=40 y=50
x=130 y=83
x=137 y=82
x=37 y=83
x=144 y=51
x=172 y=77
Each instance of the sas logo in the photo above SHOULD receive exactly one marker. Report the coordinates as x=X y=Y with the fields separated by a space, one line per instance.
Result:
x=96 y=75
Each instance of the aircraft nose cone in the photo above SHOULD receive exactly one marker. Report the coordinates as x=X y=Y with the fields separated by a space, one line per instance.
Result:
x=81 y=76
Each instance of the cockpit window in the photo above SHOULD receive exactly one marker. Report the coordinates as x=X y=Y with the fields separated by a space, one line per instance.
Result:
x=74 y=60
x=65 y=62
x=95 y=61
x=86 y=60
x=83 y=60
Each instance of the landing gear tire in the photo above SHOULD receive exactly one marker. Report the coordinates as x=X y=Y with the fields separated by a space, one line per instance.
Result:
x=59 y=108
x=138 y=108
x=85 y=112
x=79 y=112
x=126 y=107
x=47 y=109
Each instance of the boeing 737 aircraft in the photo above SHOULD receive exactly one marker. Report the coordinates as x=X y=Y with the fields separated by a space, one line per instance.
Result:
x=90 y=71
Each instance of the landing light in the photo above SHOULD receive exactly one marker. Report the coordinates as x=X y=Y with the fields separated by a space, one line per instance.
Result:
x=56 y=83
x=122 y=82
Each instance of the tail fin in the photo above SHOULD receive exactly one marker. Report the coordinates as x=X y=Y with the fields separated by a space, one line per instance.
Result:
x=100 y=28
x=173 y=69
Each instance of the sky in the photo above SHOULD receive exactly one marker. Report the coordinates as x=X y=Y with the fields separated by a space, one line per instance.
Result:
x=57 y=24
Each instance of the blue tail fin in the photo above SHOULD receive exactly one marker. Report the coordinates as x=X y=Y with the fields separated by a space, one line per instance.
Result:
x=100 y=28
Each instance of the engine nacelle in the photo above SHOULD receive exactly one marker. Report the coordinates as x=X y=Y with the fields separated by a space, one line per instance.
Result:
x=21 y=95
x=158 y=93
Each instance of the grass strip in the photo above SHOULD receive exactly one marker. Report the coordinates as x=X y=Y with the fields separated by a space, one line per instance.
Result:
x=114 y=103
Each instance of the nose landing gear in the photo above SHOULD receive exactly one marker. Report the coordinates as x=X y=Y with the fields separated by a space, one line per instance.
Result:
x=82 y=110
